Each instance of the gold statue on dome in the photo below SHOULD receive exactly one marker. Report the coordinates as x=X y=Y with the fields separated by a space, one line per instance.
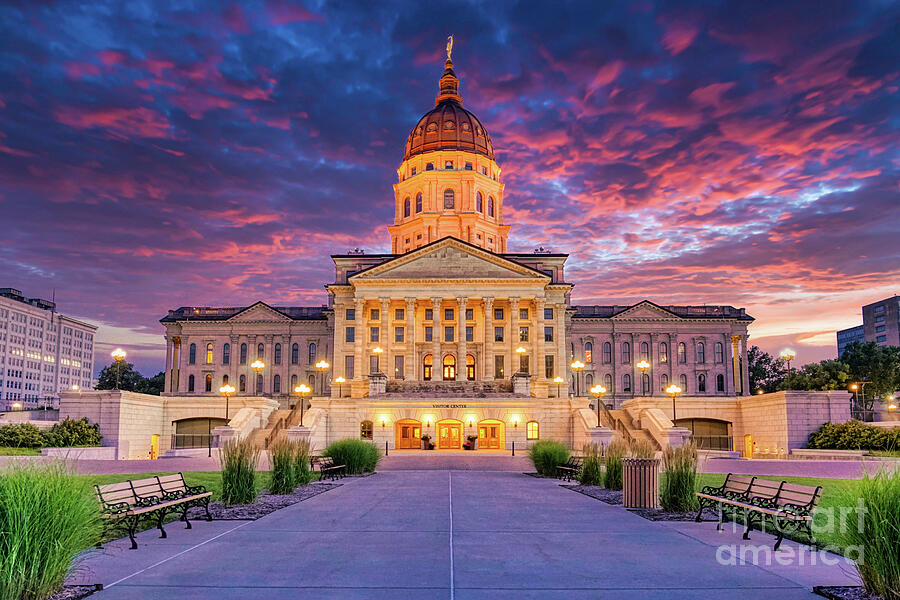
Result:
x=449 y=46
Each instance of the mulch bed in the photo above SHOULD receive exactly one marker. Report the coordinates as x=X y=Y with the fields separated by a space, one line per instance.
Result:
x=651 y=514
x=75 y=592
x=598 y=493
x=844 y=592
x=266 y=503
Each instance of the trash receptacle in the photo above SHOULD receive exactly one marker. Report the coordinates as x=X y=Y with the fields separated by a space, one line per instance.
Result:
x=640 y=482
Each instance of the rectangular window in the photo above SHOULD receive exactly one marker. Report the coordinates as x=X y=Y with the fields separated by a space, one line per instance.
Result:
x=413 y=170
x=548 y=314
x=468 y=166
x=523 y=363
x=498 y=334
x=373 y=334
x=351 y=314
x=498 y=366
x=399 y=314
x=398 y=367
x=879 y=319
x=484 y=170
x=398 y=334
x=429 y=314
x=498 y=314
x=470 y=314
x=548 y=366
x=879 y=308
x=350 y=334
x=448 y=314
x=881 y=338
x=548 y=334
x=879 y=329
x=448 y=334
x=523 y=314
x=429 y=334
x=470 y=334
x=523 y=334
x=375 y=314
x=373 y=364
x=348 y=367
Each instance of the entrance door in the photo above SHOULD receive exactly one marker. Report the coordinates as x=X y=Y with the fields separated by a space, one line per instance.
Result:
x=409 y=435
x=449 y=436
x=489 y=436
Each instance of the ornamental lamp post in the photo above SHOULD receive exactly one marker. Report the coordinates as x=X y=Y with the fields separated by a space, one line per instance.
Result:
x=597 y=391
x=673 y=391
x=576 y=366
x=377 y=351
x=258 y=366
x=643 y=366
x=340 y=381
x=787 y=355
x=301 y=390
x=322 y=366
x=119 y=356
x=558 y=381
x=521 y=351
x=226 y=390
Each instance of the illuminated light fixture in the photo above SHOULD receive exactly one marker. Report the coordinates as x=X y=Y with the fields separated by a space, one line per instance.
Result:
x=759 y=391
x=302 y=390
x=597 y=391
x=377 y=351
x=515 y=421
x=673 y=391
x=340 y=381
x=787 y=355
x=643 y=366
x=118 y=355
x=226 y=390
x=75 y=387
x=383 y=420
x=576 y=366
x=429 y=419
x=471 y=420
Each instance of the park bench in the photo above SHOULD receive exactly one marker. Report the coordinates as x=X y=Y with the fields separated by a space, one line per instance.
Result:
x=328 y=468
x=129 y=502
x=789 y=507
x=571 y=468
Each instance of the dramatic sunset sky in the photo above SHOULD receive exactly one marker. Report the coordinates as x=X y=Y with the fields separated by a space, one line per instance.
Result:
x=156 y=155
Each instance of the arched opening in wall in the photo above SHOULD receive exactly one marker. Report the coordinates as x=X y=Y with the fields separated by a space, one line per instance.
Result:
x=277 y=354
x=408 y=434
x=207 y=383
x=226 y=354
x=683 y=380
x=259 y=384
x=588 y=381
x=701 y=383
x=295 y=354
x=491 y=435
x=242 y=387
x=449 y=434
x=470 y=367
x=626 y=383
x=427 y=367
x=209 y=353
x=190 y=383
x=192 y=354
x=449 y=367
x=224 y=379
x=276 y=384
x=243 y=357
x=260 y=351
x=293 y=383
x=645 y=351
x=406 y=207
x=720 y=383
x=365 y=430
x=608 y=384
x=588 y=352
x=663 y=382
x=195 y=432
x=313 y=353
x=709 y=434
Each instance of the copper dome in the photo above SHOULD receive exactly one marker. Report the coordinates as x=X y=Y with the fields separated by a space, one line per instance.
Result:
x=448 y=126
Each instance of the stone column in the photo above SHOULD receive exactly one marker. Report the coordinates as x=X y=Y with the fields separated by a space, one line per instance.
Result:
x=169 y=345
x=654 y=345
x=269 y=372
x=729 y=382
x=461 y=346
x=412 y=368
x=385 y=340
x=513 y=336
x=634 y=382
x=562 y=361
x=487 y=373
x=745 y=367
x=736 y=365
x=437 y=372
x=360 y=367
x=538 y=371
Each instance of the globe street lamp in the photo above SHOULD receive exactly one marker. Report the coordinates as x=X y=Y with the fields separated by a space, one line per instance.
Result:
x=258 y=366
x=558 y=381
x=787 y=355
x=597 y=391
x=643 y=366
x=226 y=390
x=118 y=355
x=377 y=351
x=301 y=390
x=576 y=366
x=521 y=351
x=340 y=381
x=322 y=366
x=75 y=387
x=673 y=391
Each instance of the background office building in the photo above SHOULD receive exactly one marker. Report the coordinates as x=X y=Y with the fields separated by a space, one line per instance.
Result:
x=41 y=351
x=881 y=324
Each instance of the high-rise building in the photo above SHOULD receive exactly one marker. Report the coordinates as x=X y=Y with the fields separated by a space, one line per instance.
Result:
x=881 y=324
x=845 y=337
x=41 y=351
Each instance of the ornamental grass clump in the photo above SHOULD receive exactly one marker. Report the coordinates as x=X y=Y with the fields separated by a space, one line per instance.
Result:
x=546 y=455
x=591 y=470
x=680 y=482
x=281 y=453
x=302 y=472
x=641 y=449
x=615 y=452
x=238 y=460
x=47 y=517
x=874 y=535
x=356 y=455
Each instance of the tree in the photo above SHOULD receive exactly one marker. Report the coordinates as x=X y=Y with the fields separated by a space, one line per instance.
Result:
x=878 y=366
x=825 y=375
x=129 y=379
x=766 y=371
x=153 y=385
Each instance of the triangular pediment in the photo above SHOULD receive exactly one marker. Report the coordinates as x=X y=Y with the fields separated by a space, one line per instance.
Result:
x=646 y=310
x=449 y=259
x=258 y=312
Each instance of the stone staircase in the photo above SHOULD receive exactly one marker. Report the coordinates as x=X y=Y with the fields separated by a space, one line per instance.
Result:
x=279 y=421
x=621 y=421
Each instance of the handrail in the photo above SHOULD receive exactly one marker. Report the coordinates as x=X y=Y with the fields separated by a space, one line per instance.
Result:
x=279 y=425
x=617 y=424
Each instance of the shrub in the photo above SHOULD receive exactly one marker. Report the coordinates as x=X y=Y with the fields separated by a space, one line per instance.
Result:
x=283 y=477
x=546 y=455
x=854 y=435
x=238 y=460
x=591 y=471
x=46 y=518
x=302 y=473
x=21 y=435
x=358 y=456
x=680 y=483
x=70 y=433
x=615 y=452
x=641 y=449
x=876 y=533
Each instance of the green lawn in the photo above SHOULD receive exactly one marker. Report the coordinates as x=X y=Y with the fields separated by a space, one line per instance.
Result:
x=7 y=451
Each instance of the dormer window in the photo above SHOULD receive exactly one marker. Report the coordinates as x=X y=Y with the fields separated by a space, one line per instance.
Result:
x=449 y=198
x=468 y=166
x=429 y=167
x=413 y=170
x=448 y=164
x=432 y=127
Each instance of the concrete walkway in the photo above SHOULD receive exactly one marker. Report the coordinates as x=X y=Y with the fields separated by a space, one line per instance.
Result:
x=444 y=534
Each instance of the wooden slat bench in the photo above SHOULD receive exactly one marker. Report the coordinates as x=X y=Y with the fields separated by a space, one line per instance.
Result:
x=570 y=469
x=129 y=502
x=328 y=468
x=789 y=507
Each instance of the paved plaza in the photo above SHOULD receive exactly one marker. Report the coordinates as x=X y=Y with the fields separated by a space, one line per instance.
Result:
x=446 y=534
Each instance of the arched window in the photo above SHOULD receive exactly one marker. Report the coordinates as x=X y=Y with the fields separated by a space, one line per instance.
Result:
x=608 y=383
x=626 y=383
x=701 y=382
x=242 y=383
x=719 y=352
x=588 y=352
x=490 y=206
x=260 y=351
x=226 y=354
x=470 y=367
x=365 y=430
x=293 y=383
x=429 y=166
x=663 y=382
x=682 y=353
x=277 y=354
x=479 y=202
x=588 y=381
x=449 y=365
x=208 y=384
x=406 y=207
x=449 y=198
x=259 y=384
x=663 y=352
x=209 y=353
x=295 y=354
x=190 y=383
x=645 y=385
x=683 y=386
x=720 y=383
x=532 y=430
x=607 y=353
x=419 y=202
x=192 y=354
x=626 y=352
x=645 y=351
x=243 y=354
x=427 y=363
x=313 y=353
x=224 y=379
x=701 y=352
x=276 y=384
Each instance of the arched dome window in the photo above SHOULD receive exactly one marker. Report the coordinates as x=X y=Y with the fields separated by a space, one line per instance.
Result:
x=491 y=206
x=479 y=202
x=406 y=207
x=449 y=198
x=419 y=202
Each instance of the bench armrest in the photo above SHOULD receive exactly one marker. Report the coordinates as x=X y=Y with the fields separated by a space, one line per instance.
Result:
x=146 y=501
x=712 y=490
x=196 y=489
x=797 y=510
x=116 y=508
